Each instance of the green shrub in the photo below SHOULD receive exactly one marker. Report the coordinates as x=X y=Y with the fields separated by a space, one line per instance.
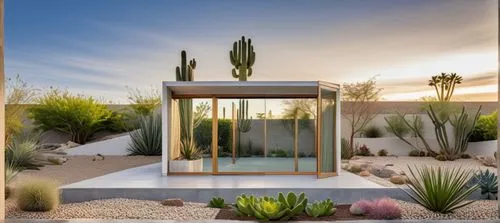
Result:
x=204 y=140
x=397 y=126
x=144 y=103
x=146 y=140
x=216 y=202
x=373 y=132
x=278 y=153
x=76 y=115
x=20 y=154
x=320 y=208
x=440 y=189
x=37 y=195
x=485 y=128
x=382 y=152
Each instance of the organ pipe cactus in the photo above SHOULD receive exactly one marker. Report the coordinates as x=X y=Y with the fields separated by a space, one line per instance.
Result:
x=242 y=58
x=462 y=124
x=244 y=123
x=185 y=73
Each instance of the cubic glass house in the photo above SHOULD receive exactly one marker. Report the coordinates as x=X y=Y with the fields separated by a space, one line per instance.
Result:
x=252 y=127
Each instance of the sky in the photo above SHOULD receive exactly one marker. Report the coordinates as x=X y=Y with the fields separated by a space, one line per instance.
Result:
x=98 y=47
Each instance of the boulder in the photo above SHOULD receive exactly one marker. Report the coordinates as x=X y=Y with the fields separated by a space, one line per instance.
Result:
x=173 y=202
x=354 y=168
x=71 y=144
x=49 y=146
x=98 y=157
x=381 y=171
x=397 y=179
x=57 y=160
x=364 y=173
x=489 y=161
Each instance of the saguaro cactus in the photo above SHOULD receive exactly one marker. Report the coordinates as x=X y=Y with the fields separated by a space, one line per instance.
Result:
x=185 y=73
x=244 y=123
x=242 y=58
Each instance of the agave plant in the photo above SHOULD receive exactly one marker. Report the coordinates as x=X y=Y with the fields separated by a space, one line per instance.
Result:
x=243 y=206
x=296 y=204
x=20 y=154
x=320 y=208
x=441 y=189
x=189 y=150
x=146 y=140
x=268 y=209
x=488 y=182
x=217 y=202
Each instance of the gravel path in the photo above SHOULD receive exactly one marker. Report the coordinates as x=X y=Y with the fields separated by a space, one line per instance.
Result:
x=79 y=168
x=141 y=209
x=479 y=210
x=119 y=209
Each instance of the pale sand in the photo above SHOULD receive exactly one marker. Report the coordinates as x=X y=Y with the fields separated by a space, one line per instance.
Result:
x=79 y=168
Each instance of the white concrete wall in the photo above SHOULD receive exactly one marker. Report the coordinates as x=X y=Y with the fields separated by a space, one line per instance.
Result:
x=395 y=146
x=110 y=147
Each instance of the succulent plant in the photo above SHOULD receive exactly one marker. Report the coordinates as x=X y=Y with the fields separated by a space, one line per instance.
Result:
x=488 y=183
x=185 y=73
x=242 y=58
x=296 y=204
x=216 y=202
x=243 y=206
x=269 y=208
x=320 y=208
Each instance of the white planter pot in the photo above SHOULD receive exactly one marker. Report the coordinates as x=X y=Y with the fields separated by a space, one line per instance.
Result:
x=182 y=166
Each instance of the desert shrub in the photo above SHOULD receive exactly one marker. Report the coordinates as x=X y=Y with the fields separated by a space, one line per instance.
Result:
x=37 y=194
x=320 y=208
x=18 y=95
x=144 y=103
x=416 y=153
x=363 y=151
x=361 y=207
x=485 y=128
x=120 y=122
x=373 y=131
x=487 y=182
x=204 y=140
x=440 y=189
x=397 y=126
x=382 y=152
x=20 y=154
x=147 y=139
x=385 y=208
x=76 y=115
x=278 y=153
x=345 y=149
x=216 y=202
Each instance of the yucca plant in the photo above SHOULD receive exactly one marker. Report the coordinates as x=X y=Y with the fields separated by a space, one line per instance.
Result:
x=189 y=150
x=488 y=182
x=216 y=202
x=440 y=189
x=20 y=154
x=146 y=140
x=321 y=208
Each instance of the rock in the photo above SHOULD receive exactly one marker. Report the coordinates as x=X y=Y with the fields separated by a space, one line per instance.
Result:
x=354 y=168
x=381 y=171
x=355 y=158
x=402 y=173
x=71 y=144
x=397 y=179
x=173 y=202
x=489 y=161
x=57 y=160
x=98 y=157
x=49 y=146
x=364 y=173
x=389 y=164
x=345 y=166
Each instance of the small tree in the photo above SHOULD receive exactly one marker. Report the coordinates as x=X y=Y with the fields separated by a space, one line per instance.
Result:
x=360 y=113
x=444 y=85
x=200 y=113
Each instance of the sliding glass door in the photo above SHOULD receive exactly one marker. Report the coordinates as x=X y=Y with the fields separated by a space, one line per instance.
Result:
x=327 y=106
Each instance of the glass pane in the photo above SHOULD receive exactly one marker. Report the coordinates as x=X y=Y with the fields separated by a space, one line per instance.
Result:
x=264 y=136
x=198 y=112
x=327 y=139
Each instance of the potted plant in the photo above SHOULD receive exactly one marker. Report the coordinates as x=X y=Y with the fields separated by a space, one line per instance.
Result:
x=190 y=159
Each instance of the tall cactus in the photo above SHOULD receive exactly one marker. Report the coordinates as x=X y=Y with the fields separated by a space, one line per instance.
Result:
x=244 y=123
x=185 y=73
x=242 y=58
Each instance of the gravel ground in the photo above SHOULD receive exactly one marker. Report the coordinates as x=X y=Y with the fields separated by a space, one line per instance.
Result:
x=119 y=209
x=140 y=209
x=79 y=168
x=479 y=210
x=401 y=164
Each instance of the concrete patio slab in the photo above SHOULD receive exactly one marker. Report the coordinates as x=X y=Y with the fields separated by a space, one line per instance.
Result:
x=228 y=221
x=146 y=182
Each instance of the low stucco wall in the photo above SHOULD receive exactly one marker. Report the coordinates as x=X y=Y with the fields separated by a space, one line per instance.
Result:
x=111 y=147
x=395 y=146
